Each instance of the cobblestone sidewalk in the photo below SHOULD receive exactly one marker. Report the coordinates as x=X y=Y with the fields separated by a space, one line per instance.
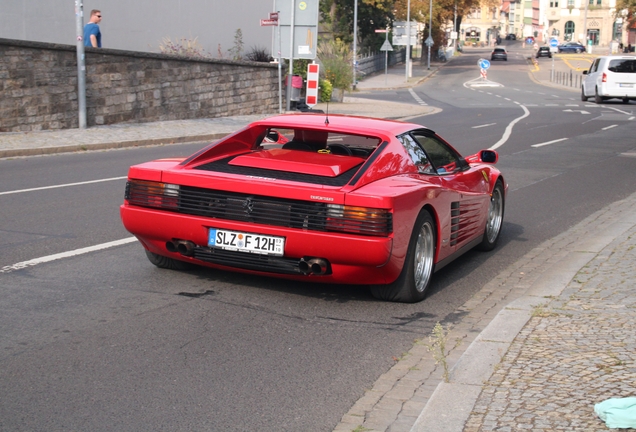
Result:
x=576 y=351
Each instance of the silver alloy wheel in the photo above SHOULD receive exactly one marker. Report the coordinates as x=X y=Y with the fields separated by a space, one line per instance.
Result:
x=495 y=215
x=424 y=255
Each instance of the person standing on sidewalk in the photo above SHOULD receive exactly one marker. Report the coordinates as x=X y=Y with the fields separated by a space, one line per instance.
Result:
x=92 y=34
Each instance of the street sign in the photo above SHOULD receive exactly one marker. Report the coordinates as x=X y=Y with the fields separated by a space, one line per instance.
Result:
x=381 y=30
x=386 y=46
x=429 y=42
x=305 y=28
x=269 y=22
x=484 y=64
x=273 y=16
x=554 y=43
x=400 y=28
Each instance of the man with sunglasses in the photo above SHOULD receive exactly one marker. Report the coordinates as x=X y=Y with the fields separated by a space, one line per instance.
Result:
x=92 y=35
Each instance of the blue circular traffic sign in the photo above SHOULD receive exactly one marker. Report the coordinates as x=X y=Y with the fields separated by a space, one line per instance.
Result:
x=554 y=43
x=484 y=64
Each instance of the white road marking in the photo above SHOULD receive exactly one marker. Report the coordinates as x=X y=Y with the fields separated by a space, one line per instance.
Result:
x=62 y=255
x=61 y=186
x=579 y=111
x=609 y=127
x=508 y=131
x=485 y=125
x=417 y=98
x=548 y=143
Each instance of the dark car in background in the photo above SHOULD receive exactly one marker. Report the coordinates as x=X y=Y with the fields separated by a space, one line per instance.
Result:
x=511 y=36
x=499 y=53
x=571 y=47
x=543 y=51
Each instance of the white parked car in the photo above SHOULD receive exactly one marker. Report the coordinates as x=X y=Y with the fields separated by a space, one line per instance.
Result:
x=610 y=77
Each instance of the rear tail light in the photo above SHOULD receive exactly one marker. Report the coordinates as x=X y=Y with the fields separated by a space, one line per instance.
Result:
x=359 y=220
x=152 y=194
x=604 y=77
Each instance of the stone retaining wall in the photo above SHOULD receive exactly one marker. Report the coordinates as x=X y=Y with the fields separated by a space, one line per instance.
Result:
x=38 y=87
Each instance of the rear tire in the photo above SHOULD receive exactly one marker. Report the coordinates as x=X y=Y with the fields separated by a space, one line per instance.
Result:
x=597 y=99
x=495 y=218
x=625 y=100
x=414 y=280
x=168 y=263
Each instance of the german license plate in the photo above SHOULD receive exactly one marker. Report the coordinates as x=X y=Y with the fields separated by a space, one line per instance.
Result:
x=626 y=85
x=246 y=242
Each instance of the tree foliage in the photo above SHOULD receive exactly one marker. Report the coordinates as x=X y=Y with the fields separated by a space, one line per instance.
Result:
x=443 y=13
x=630 y=7
x=372 y=15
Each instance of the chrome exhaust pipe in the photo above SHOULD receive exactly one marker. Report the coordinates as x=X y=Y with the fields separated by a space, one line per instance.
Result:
x=318 y=266
x=185 y=247
x=304 y=267
x=171 y=246
x=313 y=266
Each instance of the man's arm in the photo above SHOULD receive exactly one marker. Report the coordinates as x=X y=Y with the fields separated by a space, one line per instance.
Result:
x=94 y=41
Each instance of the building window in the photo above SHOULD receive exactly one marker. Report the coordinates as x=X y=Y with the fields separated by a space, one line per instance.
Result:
x=569 y=30
x=570 y=3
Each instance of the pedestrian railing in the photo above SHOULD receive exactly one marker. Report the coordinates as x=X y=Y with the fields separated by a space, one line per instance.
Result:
x=568 y=79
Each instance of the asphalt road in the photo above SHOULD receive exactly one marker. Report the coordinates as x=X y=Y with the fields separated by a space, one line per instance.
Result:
x=105 y=341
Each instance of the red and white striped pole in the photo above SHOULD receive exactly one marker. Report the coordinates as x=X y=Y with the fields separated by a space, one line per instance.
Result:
x=311 y=92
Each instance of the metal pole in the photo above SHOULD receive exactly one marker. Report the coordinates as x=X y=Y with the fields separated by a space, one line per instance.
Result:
x=430 y=30
x=455 y=28
x=386 y=58
x=408 y=39
x=355 y=41
x=81 y=68
x=291 y=58
x=280 y=73
x=585 y=24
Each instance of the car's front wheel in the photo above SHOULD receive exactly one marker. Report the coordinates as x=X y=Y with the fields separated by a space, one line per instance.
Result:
x=495 y=218
x=583 y=97
x=578 y=50
x=168 y=263
x=415 y=278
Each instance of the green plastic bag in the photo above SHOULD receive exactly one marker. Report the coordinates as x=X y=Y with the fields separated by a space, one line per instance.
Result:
x=617 y=413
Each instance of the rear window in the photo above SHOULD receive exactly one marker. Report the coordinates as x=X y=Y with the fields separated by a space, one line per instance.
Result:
x=622 y=66
x=500 y=50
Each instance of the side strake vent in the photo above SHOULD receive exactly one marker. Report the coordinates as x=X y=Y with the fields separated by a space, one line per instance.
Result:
x=315 y=216
x=464 y=217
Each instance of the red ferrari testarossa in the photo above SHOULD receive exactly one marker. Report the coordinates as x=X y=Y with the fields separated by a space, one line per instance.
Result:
x=310 y=197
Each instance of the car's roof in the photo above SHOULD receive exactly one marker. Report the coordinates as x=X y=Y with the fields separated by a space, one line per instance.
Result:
x=339 y=123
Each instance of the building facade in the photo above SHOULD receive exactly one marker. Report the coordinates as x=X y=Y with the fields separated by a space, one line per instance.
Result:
x=583 y=21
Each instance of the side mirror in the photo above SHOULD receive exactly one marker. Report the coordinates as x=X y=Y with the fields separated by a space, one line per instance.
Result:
x=488 y=156
x=585 y=72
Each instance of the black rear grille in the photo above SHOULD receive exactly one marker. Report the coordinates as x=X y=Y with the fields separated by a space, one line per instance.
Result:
x=248 y=261
x=223 y=166
x=252 y=208
x=314 y=216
